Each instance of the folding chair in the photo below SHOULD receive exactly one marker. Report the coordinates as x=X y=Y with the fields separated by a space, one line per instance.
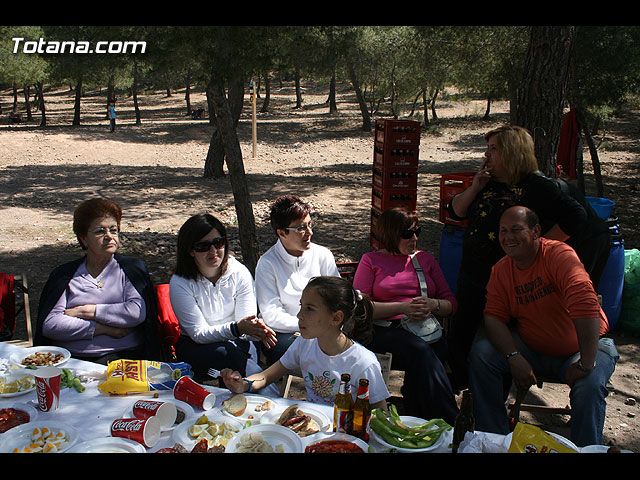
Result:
x=518 y=404
x=14 y=301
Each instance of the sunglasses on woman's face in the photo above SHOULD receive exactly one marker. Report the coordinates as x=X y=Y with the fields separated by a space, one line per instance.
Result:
x=205 y=245
x=407 y=234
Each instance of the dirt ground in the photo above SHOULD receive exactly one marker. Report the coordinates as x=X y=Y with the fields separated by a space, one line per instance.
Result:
x=154 y=170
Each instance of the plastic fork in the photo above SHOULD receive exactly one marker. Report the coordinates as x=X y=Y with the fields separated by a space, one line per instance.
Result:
x=212 y=372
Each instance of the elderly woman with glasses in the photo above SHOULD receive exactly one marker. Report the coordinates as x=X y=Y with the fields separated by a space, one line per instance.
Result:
x=389 y=277
x=213 y=298
x=100 y=307
x=285 y=269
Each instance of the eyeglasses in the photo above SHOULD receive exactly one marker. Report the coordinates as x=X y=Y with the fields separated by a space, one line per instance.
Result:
x=302 y=228
x=407 y=234
x=102 y=231
x=205 y=245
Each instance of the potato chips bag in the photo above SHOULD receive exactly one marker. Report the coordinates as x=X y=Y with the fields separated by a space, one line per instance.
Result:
x=130 y=376
x=531 y=439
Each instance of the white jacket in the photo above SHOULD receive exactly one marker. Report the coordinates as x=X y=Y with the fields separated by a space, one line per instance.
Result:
x=280 y=279
x=206 y=310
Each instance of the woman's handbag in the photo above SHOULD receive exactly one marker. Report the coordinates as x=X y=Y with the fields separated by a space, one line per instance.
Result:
x=429 y=329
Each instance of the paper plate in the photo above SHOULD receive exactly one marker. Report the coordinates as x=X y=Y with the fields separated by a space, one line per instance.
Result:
x=250 y=412
x=321 y=418
x=181 y=433
x=412 y=422
x=33 y=413
x=180 y=405
x=599 y=449
x=10 y=377
x=20 y=436
x=267 y=438
x=108 y=445
x=324 y=436
x=18 y=357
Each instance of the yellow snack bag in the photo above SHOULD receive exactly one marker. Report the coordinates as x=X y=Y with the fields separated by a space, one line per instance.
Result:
x=531 y=439
x=131 y=376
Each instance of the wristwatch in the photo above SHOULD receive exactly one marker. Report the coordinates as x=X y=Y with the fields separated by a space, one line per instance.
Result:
x=581 y=366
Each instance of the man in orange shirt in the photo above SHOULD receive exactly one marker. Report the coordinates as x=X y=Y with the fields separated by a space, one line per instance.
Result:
x=557 y=330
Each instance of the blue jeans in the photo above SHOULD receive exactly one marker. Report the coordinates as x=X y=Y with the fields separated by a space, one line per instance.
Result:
x=487 y=367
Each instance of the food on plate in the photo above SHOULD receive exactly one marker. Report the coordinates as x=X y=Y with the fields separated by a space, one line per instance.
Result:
x=41 y=359
x=298 y=421
x=389 y=427
x=21 y=384
x=253 y=442
x=198 y=448
x=264 y=407
x=12 y=417
x=215 y=433
x=333 y=446
x=235 y=405
x=68 y=380
x=180 y=416
x=44 y=440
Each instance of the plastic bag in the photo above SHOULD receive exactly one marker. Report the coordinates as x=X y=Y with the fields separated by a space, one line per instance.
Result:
x=531 y=439
x=629 y=320
x=632 y=266
x=132 y=376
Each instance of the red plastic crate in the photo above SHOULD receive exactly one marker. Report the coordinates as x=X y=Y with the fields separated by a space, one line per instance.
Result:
x=395 y=178
x=383 y=199
x=397 y=132
x=392 y=156
x=452 y=184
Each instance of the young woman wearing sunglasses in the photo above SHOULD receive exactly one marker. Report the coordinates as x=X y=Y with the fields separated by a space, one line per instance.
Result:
x=389 y=277
x=213 y=297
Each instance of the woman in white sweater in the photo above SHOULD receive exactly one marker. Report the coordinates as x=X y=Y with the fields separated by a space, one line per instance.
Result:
x=213 y=297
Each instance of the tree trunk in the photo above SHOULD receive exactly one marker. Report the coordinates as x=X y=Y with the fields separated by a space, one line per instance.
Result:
x=366 y=118
x=239 y=185
x=333 y=106
x=425 y=106
x=488 y=110
x=593 y=151
x=267 y=94
x=187 y=93
x=27 y=103
x=43 y=116
x=298 y=88
x=541 y=96
x=76 y=106
x=134 y=92
x=434 y=115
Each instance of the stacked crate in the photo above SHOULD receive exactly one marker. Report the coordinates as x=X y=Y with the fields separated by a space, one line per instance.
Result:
x=395 y=169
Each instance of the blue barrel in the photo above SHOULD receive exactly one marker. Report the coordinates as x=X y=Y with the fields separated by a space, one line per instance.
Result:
x=612 y=281
x=602 y=206
x=451 y=254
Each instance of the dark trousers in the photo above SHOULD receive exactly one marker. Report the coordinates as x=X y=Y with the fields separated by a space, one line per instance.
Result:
x=130 y=354
x=219 y=355
x=426 y=391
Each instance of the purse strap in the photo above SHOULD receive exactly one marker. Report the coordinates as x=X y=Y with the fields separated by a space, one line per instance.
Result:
x=421 y=279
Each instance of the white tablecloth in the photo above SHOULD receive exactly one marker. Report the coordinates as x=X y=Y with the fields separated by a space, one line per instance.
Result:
x=91 y=412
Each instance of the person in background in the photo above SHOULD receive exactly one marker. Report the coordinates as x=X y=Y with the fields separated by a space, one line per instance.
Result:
x=509 y=176
x=559 y=330
x=334 y=324
x=389 y=277
x=100 y=307
x=212 y=295
x=112 y=115
x=285 y=269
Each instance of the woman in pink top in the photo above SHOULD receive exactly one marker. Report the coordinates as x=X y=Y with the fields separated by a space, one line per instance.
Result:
x=389 y=278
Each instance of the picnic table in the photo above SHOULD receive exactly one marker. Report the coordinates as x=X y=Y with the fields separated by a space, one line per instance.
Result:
x=92 y=412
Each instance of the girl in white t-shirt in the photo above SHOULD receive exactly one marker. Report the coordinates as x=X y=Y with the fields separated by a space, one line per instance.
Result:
x=335 y=322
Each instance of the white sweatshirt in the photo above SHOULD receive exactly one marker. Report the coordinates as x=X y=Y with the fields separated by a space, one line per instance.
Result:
x=280 y=279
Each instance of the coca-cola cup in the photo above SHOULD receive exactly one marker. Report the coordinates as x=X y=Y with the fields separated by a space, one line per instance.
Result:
x=48 y=388
x=166 y=412
x=145 y=431
x=193 y=393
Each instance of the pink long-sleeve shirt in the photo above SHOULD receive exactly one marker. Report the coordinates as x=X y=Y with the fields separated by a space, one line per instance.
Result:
x=392 y=278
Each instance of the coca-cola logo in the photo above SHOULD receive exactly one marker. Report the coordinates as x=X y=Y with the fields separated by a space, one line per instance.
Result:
x=42 y=395
x=146 y=405
x=127 y=425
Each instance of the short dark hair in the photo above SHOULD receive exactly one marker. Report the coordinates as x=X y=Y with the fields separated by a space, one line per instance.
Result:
x=91 y=209
x=285 y=209
x=191 y=232
x=391 y=224
x=338 y=294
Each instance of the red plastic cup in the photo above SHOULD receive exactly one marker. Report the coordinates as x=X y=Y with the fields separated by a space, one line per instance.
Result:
x=145 y=431
x=193 y=393
x=48 y=388
x=166 y=412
